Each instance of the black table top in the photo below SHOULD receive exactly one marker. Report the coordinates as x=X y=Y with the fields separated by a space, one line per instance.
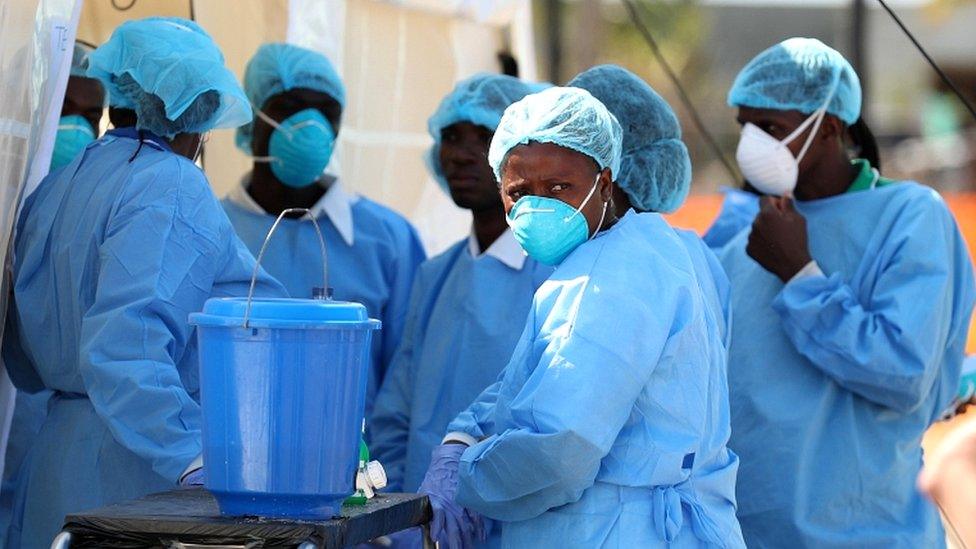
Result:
x=191 y=515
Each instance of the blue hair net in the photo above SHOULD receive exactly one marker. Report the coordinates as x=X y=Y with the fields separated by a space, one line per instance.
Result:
x=79 y=59
x=116 y=99
x=798 y=74
x=172 y=74
x=655 y=170
x=480 y=100
x=277 y=68
x=568 y=117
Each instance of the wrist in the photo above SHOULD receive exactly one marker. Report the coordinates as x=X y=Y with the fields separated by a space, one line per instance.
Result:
x=458 y=437
x=796 y=267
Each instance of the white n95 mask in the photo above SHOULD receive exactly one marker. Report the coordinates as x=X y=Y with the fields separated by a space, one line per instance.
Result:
x=767 y=163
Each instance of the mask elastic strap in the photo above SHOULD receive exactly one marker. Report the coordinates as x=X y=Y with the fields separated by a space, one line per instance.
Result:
x=579 y=210
x=603 y=216
x=199 y=152
x=813 y=133
x=277 y=125
x=817 y=119
x=274 y=124
x=271 y=121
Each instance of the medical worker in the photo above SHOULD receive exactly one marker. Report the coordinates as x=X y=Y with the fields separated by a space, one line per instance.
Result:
x=84 y=101
x=121 y=109
x=81 y=110
x=607 y=428
x=112 y=253
x=851 y=297
x=468 y=304
x=655 y=169
x=740 y=205
x=373 y=252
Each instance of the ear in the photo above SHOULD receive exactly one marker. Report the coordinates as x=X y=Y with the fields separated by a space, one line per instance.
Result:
x=606 y=185
x=832 y=129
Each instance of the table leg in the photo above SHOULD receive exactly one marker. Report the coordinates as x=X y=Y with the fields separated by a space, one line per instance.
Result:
x=61 y=541
x=425 y=533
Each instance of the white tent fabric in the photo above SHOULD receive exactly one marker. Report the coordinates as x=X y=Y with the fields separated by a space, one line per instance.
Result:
x=498 y=12
x=36 y=44
x=397 y=58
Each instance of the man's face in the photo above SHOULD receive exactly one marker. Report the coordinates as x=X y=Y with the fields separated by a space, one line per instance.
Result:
x=85 y=97
x=281 y=106
x=464 y=163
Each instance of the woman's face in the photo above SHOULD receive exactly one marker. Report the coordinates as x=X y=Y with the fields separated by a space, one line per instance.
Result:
x=548 y=170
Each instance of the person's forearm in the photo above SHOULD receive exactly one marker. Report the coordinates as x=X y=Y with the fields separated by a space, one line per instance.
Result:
x=956 y=494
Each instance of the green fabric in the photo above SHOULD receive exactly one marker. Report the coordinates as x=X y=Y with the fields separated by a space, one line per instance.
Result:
x=865 y=177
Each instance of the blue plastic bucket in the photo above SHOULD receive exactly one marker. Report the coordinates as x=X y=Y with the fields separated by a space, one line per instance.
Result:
x=282 y=403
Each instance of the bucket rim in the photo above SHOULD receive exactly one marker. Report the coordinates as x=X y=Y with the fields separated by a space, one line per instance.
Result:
x=217 y=321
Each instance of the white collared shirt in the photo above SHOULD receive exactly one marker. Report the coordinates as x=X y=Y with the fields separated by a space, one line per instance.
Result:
x=505 y=249
x=336 y=204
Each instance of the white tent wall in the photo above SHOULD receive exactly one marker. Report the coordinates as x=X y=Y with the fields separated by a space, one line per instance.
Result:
x=36 y=43
x=397 y=60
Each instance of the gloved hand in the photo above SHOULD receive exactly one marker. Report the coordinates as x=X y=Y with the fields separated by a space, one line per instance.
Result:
x=452 y=526
x=404 y=539
x=193 y=478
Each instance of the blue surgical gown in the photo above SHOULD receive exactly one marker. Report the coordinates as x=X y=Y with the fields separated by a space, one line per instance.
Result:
x=739 y=209
x=30 y=409
x=835 y=378
x=111 y=256
x=377 y=270
x=608 y=427
x=466 y=315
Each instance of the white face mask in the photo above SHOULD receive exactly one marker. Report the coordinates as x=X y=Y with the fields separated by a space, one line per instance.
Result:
x=767 y=163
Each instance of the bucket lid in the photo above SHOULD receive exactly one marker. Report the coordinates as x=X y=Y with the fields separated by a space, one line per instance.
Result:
x=284 y=313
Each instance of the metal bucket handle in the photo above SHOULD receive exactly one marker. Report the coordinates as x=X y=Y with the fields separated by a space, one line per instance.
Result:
x=257 y=264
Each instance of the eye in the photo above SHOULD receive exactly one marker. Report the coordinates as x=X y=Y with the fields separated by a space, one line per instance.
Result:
x=514 y=194
x=558 y=188
x=485 y=136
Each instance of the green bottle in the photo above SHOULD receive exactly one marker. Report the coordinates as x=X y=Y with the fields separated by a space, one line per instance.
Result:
x=360 y=497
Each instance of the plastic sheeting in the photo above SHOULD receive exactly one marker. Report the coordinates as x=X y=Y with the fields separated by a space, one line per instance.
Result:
x=36 y=43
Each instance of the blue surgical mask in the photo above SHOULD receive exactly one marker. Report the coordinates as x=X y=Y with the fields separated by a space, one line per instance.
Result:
x=300 y=147
x=74 y=134
x=549 y=229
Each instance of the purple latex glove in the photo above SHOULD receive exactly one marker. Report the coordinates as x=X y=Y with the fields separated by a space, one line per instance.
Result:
x=404 y=539
x=452 y=526
x=193 y=478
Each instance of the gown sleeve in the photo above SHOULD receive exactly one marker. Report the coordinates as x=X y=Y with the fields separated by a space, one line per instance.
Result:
x=887 y=346
x=600 y=348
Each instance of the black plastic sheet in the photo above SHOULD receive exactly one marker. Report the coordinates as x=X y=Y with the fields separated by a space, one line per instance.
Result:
x=191 y=516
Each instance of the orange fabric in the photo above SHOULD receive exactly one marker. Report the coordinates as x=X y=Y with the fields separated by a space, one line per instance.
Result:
x=700 y=210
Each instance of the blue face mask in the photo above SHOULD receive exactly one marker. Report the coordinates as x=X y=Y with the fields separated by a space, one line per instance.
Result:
x=74 y=134
x=300 y=147
x=549 y=229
